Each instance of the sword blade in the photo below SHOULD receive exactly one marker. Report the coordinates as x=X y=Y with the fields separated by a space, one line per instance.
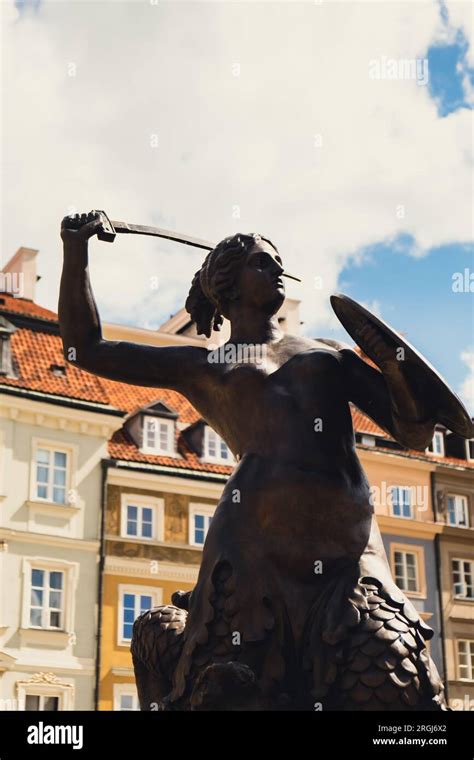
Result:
x=178 y=237
x=111 y=226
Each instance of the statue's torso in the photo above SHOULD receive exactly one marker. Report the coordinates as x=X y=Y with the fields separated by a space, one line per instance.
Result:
x=299 y=493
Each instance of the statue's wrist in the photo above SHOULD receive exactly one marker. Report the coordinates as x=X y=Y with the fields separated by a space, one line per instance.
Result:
x=75 y=246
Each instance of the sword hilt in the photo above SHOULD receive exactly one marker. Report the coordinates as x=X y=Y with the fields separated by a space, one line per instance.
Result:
x=106 y=232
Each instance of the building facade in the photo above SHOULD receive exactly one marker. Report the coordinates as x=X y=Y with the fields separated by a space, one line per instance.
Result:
x=106 y=494
x=453 y=486
x=54 y=429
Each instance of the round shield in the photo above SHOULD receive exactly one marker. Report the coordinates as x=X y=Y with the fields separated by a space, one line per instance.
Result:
x=422 y=378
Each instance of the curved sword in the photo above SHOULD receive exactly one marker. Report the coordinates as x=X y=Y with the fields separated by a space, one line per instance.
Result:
x=110 y=228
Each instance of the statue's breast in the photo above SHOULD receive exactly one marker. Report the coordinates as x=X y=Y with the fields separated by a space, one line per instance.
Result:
x=273 y=410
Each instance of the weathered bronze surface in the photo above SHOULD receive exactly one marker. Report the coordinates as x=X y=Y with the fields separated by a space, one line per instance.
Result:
x=295 y=605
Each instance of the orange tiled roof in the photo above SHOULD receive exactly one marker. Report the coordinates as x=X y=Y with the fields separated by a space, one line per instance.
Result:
x=122 y=447
x=9 y=303
x=34 y=352
x=363 y=424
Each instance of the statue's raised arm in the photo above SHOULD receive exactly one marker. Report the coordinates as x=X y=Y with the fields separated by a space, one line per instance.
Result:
x=176 y=367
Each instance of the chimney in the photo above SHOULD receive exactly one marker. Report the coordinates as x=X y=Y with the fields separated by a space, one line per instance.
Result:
x=18 y=276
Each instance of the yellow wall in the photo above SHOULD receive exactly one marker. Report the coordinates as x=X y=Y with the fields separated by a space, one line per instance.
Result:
x=113 y=655
x=384 y=471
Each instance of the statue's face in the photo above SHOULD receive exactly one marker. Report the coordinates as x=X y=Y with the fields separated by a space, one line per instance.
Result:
x=260 y=282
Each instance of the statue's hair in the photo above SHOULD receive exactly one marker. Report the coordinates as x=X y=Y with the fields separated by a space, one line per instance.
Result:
x=212 y=284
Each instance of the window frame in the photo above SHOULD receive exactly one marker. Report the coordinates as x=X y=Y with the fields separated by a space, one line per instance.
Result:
x=46 y=590
x=462 y=597
x=46 y=685
x=142 y=501
x=465 y=500
x=125 y=689
x=71 y=576
x=470 y=652
x=392 y=505
x=420 y=570
x=196 y=508
x=157 y=450
x=207 y=457
x=468 y=453
x=440 y=436
x=71 y=469
x=41 y=698
x=156 y=594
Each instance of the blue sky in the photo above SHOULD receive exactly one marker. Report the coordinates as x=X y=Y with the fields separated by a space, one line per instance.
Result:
x=265 y=118
x=415 y=294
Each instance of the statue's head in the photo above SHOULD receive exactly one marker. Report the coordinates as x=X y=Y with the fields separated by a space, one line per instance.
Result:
x=242 y=270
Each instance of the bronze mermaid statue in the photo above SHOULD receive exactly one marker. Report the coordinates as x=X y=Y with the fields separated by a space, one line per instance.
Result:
x=295 y=607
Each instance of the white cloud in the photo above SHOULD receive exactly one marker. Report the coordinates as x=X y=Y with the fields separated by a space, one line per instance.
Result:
x=461 y=17
x=466 y=391
x=226 y=140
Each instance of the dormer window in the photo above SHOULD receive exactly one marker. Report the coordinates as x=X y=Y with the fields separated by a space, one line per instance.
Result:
x=6 y=331
x=470 y=450
x=158 y=436
x=215 y=448
x=58 y=369
x=436 y=447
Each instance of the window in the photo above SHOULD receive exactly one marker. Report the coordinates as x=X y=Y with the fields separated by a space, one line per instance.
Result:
x=139 y=521
x=158 y=436
x=463 y=578
x=466 y=660
x=406 y=570
x=457 y=511
x=6 y=331
x=49 y=591
x=45 y=691
x=142 y=517
x=200 y=516
x=125 y=697
x=47 y=599
x=51 y=474
x=436 y=446
x=215 y=448
x=401 y=501
x=367 y=440
x=201 y=526
x=470 y=450
x=133 y=602
x=41 y=702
